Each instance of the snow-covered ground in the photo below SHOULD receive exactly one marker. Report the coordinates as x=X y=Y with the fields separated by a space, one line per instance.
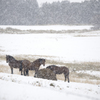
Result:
x=60 y=46
x=16 y=87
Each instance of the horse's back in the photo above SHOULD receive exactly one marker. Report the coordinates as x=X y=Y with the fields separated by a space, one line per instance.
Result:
x=25 y=62
x=62 y=69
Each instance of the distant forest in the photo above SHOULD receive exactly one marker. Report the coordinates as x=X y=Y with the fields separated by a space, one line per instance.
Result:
x=27 y=12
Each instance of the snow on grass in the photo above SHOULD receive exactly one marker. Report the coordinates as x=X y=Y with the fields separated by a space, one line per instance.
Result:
x=48 y=27
x=93 y=73
x=16 y=87
x=61 y=46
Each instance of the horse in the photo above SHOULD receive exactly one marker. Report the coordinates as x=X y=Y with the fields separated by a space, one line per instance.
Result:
x=13 y=63
x=25 y=65
x=35 y=65
x=60 y=70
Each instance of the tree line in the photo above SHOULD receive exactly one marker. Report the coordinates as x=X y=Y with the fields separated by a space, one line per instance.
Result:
x=27 y=12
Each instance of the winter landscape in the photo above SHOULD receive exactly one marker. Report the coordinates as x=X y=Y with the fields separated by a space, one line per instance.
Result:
x=62 y=33
x=79 y=51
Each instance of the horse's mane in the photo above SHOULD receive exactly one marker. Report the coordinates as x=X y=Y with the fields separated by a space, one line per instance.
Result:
x=11 y=57
x=38 y=60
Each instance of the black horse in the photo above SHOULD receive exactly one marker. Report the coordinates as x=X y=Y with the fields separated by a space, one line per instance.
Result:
x=13 y=63
x=60 y=70
x=35 y=65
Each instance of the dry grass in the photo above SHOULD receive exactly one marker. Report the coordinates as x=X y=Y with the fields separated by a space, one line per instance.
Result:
x=10 y=30
x=2 y=50
x=88 y=81
x=73 y=67
x=6 y=69
x=75 y=33
x=2 y=58
x=83 y=78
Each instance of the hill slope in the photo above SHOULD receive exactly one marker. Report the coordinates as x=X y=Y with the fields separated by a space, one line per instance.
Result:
x=16 y=87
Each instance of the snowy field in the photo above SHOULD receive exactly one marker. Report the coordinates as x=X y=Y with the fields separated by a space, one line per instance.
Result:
x=62 y=47
x=16 y=87
x=59 y=47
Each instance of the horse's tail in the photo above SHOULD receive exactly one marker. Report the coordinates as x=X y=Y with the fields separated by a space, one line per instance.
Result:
x=20 y=68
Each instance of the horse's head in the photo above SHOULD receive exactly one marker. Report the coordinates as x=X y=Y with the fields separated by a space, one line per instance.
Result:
x=52 y=67
x=49 y=67
x=7 y=58
x=42 y=61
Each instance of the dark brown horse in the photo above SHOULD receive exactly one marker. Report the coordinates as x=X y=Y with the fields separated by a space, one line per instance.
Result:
x=25 y=65
x=35 y=65
x=60 y=70
x=13 y=63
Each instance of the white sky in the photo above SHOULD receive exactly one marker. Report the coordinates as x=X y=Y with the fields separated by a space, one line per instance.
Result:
x=50 y=1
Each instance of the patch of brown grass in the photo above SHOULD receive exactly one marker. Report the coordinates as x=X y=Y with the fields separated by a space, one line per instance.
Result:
x=88 y=81
x=4 y=69
x=80 y=78
x=2 y=57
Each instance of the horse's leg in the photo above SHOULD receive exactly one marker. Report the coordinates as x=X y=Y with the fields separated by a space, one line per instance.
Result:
x=68 y=78
x=36 y=72
x=11 y=70
x=24 y=72
x=27 y=72
x=20 y=68
x=21 y=72
x=65 y=77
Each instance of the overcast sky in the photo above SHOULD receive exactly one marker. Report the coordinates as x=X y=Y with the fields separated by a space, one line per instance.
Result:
x=42 y=1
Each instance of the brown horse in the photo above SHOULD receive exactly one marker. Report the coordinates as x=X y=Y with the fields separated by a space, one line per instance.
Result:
x=35 y=65
x=60 y=70
x=25 y=65
x=13 y=63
